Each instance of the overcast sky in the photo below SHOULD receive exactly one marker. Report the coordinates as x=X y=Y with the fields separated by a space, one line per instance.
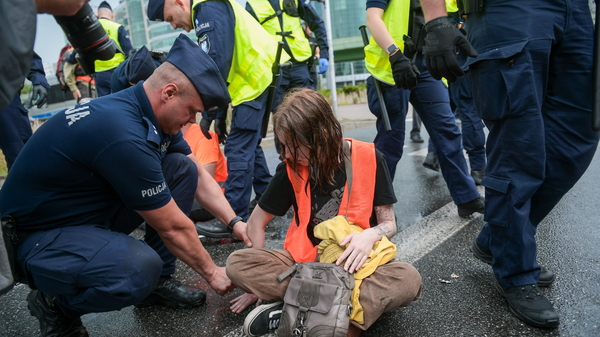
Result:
x=50 y=38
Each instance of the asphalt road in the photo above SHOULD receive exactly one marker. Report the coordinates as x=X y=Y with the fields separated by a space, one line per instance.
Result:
x=433 y=238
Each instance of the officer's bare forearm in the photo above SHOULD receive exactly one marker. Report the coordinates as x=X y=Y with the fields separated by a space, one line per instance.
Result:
x=433 y=9
x=179 y=235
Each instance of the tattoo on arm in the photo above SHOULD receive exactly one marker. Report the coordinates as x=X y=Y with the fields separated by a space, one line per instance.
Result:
x=386 y=221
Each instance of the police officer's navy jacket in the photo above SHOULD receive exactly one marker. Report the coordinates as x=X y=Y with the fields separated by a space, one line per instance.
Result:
x=87 y=161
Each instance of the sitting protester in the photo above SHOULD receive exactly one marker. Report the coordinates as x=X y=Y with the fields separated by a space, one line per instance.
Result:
x=313 y=180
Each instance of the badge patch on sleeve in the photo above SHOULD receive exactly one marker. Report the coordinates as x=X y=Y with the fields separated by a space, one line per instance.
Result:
x=204 y=42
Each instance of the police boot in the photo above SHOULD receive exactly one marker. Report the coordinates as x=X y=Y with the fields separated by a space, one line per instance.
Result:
x=431 y=162
x=172 y=293
x=53 y=322
x=477 y=176
x=468 y=208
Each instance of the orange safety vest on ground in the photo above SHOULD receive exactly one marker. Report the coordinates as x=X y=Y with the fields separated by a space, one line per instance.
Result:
x=358 y=209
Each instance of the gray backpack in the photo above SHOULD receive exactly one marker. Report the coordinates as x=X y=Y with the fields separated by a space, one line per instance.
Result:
x=317 y=301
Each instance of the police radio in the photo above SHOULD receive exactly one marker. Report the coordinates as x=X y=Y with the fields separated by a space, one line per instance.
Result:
x=88 y=38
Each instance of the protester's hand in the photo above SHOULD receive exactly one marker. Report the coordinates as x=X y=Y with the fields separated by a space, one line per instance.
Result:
x=220 y=282
x=40 y=95
x=221 y=129
x=359 y=246
x=404 y=71
x=77 y=95
x=440 y=42
x=323 y=65
x=240 y=231
x=241 y=302
x=205 y=127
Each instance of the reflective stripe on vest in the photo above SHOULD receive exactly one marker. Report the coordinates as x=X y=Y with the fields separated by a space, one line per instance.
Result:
x=112 y=30
x=360 y=207
x=299 y=45
x=253 y=56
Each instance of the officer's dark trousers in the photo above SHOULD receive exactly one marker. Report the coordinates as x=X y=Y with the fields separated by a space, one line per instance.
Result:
x=246 y=163
x=473 y=136
x=99 y=267
x=430 y=99
x=103 y=82
x=532 y=86
x=15 y=129
x=297 y=76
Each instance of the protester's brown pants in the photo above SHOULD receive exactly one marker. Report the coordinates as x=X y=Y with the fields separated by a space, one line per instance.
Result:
x=392 y=285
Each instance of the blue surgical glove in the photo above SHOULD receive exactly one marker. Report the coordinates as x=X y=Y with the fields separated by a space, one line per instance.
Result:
x=323 y=65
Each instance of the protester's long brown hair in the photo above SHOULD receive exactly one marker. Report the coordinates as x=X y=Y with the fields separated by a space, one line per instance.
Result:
x=305 y=118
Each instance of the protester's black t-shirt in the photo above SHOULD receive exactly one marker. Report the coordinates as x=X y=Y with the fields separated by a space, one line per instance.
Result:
x=279 y=195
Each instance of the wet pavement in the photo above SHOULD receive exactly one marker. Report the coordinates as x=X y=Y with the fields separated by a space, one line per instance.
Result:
x=433 y=238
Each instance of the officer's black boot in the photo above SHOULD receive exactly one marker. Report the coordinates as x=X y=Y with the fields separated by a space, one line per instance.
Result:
x=172 y=293
x=53 y=322
x=468 y=208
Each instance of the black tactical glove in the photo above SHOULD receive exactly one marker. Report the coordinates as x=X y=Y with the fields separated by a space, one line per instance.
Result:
x=205 y=127
x=221 y=130
x=440 y=42
x=404 y=71
x=39 y=90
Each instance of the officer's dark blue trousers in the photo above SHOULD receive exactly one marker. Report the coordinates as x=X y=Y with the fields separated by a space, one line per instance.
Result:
x=532 y=86
x=297 y=76
x=15 y=129
x=430 y=99
x=246 y=163
x=473 y=136
x=99 y=267
x=103 y=82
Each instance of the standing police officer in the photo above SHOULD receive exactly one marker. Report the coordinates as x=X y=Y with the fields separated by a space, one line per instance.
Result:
x=109 y=165
x=532 y=86
x=387 y=59
x=15 y=127
x=244 y=53
x=115 y=31
x=281 y=18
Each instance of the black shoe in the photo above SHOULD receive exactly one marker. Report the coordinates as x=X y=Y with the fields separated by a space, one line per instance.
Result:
x=172 y=293
x=468 y=208
x=431 y=162
x=201 y=215
x=416 y=137
x=263 y=319
x=53 y=322
x=213 y=229
x=477 y=176
x=530 y=305
x=485 y=255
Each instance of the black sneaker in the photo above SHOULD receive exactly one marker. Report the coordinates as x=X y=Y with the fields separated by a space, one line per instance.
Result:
x=530 y=305
x=485 y=255
x=53 y=322
x=431 y=162
x=416 y=137
x=172 y=293
x=468 y=208
x=263 y=319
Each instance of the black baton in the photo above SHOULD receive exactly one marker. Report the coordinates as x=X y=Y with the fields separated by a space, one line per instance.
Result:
x=384 y=114
x=596 y=86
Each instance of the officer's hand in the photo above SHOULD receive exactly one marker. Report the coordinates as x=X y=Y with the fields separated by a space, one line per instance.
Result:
x=205 y=127
x=323 y=66
x=39 y=90
x=221 y=129
x=440 y=42
x=404 y=71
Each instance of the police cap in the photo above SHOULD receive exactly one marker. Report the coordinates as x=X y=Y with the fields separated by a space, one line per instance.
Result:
x=104 y=4
x=155 y=10
x=202 y=72
x=140 y=65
